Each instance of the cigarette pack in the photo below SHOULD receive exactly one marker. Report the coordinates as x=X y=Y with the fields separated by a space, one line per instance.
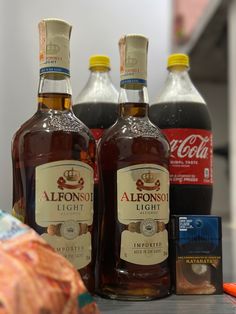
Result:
x=196 y=254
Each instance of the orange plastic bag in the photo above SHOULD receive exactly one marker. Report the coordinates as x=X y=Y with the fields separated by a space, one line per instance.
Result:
x=34 y=279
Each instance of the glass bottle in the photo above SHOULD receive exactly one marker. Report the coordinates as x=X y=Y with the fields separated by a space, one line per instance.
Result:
x=53 y=157
x=133 y=158
x=182 y=114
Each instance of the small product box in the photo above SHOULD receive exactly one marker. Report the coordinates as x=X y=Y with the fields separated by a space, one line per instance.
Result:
x=196 y=254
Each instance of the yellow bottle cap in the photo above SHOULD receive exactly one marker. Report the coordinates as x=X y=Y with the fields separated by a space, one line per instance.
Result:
x=99 y=61
x=178 y=59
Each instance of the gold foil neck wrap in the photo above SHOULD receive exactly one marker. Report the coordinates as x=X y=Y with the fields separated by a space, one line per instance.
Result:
x=54 y=42
x=133 y=60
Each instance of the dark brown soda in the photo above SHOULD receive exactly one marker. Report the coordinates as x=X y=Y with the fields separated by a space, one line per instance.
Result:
x=119 y=148
x=185 y=198
x=100 y=115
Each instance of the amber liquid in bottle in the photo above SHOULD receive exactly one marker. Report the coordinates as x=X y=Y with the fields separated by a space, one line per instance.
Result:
x=133 y=140
x=52 y=134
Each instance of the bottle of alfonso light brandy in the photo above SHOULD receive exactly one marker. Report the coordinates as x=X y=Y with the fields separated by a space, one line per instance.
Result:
x=53 y=157
x=133 y=158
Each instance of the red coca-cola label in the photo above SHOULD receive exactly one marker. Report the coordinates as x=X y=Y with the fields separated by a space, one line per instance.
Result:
x=97 y=134
x=191 y=156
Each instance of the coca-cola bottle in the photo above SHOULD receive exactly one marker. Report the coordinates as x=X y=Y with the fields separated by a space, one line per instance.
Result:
x=182 y=114
x=97 y=107
x=97 y=103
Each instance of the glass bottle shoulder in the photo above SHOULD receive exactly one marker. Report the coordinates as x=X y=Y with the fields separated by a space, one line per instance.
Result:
x=133 y=127
x=45 y=138
x=179 y=88
x=50 y=121
x=134 y=139
x=99 y=88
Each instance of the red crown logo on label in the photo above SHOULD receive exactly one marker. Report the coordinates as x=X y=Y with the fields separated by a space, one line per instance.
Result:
x=151 y=180
x=149 y=177
x=71 y=180
x=71 y=175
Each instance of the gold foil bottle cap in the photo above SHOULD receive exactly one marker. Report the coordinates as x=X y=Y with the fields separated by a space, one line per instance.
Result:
x=133 y=59
x=54 y=41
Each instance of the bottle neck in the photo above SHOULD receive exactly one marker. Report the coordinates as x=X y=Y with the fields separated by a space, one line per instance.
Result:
x=101 y=75
x=179 y=73
x=133 y=101
x=54 y=92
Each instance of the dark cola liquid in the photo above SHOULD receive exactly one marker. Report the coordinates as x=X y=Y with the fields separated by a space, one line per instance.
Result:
x=185 y=198
x=99 y=115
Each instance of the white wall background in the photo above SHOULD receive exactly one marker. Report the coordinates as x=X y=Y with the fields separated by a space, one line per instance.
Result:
x=216 y=96
x=232 y=109
x=97 y=27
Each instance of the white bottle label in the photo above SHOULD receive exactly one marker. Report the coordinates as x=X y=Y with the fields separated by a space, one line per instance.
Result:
x=64 y=206
x=143 y=206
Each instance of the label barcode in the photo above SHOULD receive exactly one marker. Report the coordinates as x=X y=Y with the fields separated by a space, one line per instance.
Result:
x=206 y=173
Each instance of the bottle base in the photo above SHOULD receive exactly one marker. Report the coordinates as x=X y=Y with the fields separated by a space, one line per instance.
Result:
x=142 y=294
